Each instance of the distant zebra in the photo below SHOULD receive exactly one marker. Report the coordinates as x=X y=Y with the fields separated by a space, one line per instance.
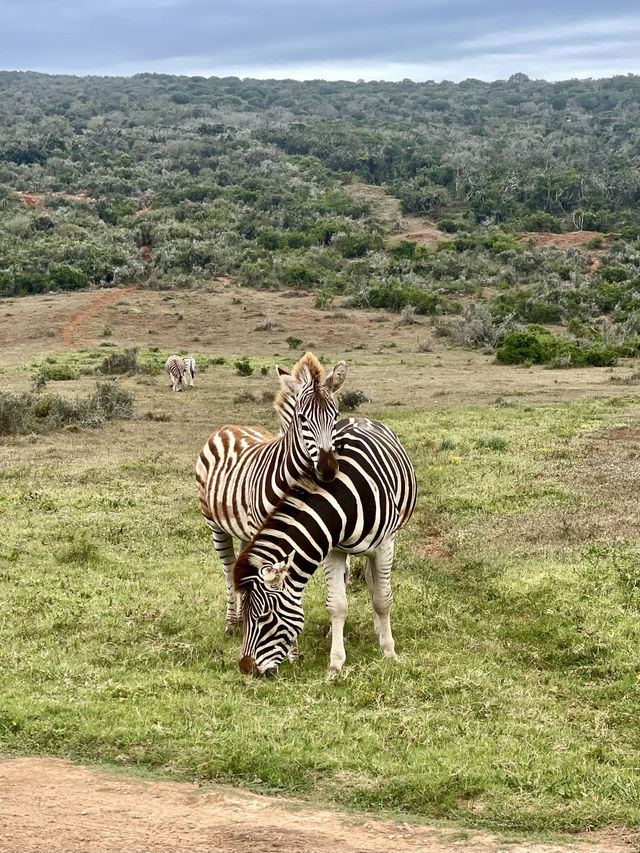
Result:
x=175 y=369
x=243 y=472
x=189 y=364
x=360 y=512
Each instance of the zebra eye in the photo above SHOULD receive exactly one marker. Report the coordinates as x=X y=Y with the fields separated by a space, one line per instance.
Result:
x=302 y=418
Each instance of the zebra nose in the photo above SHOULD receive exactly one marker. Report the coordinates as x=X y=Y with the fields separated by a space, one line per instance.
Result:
x=327 y=466
x=248 y=665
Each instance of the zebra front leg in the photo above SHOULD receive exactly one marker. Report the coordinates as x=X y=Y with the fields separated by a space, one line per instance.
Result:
x=377 y=575
x=335 y=572
x=223 y=543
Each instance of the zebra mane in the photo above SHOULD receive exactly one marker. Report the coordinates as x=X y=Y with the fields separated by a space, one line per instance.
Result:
x=244 y=571
x=308 y=369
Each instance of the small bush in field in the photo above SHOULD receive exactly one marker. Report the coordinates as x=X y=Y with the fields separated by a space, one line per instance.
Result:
x=112 y=401
x=493 y=442
x=38 y=413
x=39 y=383
x=58 y=372
x=408 y=315
x=243 y=367
x=293 y=342
x=350 y=400
x=120 y=362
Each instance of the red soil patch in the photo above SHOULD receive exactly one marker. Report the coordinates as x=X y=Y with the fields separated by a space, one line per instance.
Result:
x=37 y=199
x=111 y=296
x=32 y=200
x=422 y=237
x=546 y=238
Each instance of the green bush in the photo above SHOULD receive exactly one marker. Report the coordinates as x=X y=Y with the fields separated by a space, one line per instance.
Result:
x=58 y=372
x=26 y=413
x=350 y=400
x=120 y=362
x=542 y=347
x=243 y=367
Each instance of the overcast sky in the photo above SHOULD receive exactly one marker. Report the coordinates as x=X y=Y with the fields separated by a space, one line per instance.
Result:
x=330 y=39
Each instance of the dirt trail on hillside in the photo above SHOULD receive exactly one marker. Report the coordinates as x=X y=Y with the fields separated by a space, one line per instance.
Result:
x=48 y=804
x=111 y=296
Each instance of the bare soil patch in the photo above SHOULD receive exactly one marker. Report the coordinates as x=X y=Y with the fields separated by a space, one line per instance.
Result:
x=52 y=805
x=38 y=199
x=109 y=296
x=226 y=322
x=561 y=241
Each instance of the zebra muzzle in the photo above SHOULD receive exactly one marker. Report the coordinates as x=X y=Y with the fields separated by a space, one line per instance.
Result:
x=326 y=466
x=248 y=665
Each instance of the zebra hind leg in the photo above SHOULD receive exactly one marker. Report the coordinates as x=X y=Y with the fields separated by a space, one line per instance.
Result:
x=377 y=576
x=223 y=543
x=335 y=572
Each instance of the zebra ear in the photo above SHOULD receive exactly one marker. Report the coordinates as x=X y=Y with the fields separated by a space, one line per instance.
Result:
x=287 y=381
x=336 y=378
x=274 y=576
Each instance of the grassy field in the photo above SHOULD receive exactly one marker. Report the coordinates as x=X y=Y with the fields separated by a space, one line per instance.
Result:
x=513 y=705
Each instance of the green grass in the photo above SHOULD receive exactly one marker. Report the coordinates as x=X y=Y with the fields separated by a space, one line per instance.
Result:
x=513 y=704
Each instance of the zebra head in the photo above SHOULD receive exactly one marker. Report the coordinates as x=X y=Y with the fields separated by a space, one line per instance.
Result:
x=306 y=400
x=272 y=616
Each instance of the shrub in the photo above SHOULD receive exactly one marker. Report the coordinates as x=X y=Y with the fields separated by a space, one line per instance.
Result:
x=120 y=362
x=408 y=315
x=493 y=442
x=26 y=413
x=112 y=401
x=58 y=372
x=519 y=347
x=350 y=400
x=293 y=342
x=243 y=367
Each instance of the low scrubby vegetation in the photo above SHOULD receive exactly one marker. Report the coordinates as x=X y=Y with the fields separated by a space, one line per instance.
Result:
x=39 y=412
x=253 y=188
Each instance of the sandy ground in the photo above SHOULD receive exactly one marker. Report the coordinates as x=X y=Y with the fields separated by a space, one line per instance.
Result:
x=227 y=321
x=52 y=805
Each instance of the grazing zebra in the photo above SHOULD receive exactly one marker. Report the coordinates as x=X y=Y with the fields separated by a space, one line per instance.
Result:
x=175 y=369
x=359 y=512
x=189 y=364
x=243 y=472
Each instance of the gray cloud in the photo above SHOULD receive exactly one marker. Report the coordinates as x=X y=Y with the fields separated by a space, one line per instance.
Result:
x=422 y=39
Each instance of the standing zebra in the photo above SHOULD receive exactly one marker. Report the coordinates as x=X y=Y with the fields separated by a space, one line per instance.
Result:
x=243 y=472
x=189 y=364
x=175 y=369
x=360 y=512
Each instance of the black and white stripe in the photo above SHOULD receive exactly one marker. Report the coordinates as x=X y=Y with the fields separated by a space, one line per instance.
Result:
x=244 y=472
x=360 y=512
x=189 y=364
x=175 y=368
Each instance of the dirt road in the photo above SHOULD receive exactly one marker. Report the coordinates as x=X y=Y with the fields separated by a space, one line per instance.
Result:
x=52 y=805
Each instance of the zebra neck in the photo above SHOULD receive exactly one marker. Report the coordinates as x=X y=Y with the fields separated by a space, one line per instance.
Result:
x=292 y=460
